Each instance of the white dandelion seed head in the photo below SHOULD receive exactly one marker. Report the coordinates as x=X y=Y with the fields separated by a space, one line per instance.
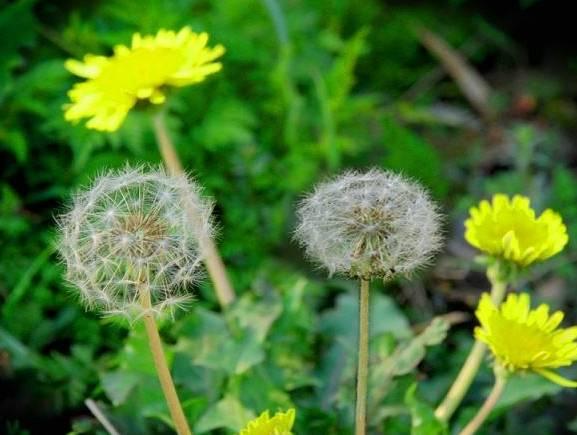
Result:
x=131 y=230
x=368 y=225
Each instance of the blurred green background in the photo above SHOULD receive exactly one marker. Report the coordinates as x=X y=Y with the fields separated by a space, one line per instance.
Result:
x=308 y=88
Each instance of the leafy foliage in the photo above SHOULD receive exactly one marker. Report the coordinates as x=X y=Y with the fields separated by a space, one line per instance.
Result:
x=308 y=88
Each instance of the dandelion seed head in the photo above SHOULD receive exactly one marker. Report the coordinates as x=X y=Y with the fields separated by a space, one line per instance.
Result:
x=123 y=234
x=373 y=224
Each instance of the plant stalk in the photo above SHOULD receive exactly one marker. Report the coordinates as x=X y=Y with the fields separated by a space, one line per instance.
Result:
x=363 y=359
x=174 y=406
x=214 y=264
x=471 y=366
x=487 y=407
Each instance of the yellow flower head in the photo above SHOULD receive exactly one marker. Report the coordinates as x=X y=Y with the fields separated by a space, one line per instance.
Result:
x=508 y=228
x=525 y=339
x=115 y=84
x=280 y=424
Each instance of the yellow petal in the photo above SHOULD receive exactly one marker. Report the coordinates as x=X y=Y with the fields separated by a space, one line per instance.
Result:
x=557 y=378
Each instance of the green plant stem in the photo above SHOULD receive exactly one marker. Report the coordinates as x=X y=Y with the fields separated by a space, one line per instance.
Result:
x=174 y=406
x=363 y=359
x=471 y=366
x=487 y=407
x=217 y=271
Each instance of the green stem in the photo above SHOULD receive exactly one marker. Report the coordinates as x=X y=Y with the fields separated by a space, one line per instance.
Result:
x=471 y=366
x=487 y=407
x=162 y=370
x=363 y=359
x=216 y=269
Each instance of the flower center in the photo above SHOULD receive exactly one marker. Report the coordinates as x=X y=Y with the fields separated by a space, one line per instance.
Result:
x=139 y=236
x=143 y=68
x=521 y=346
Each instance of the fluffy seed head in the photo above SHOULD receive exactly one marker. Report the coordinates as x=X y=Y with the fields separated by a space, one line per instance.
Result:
x=373 y=224
x=133 y=232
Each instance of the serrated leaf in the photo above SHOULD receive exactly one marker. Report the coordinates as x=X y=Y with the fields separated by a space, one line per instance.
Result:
x=210 y=344
x=436 y=332
x=256 y=316
x=409 y=357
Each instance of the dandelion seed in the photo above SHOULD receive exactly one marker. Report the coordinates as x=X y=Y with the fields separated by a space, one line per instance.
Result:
x=376 y=224
x=368 y=225
x=118 y=238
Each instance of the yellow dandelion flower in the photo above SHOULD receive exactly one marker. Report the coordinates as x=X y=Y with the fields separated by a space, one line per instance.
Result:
x=140 y=72
x=524 y=339
x=280 y=424
x=508 y=228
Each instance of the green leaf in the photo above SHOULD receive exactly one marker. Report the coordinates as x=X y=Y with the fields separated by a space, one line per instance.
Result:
x=227 y=124
x=12 y=221
x=256 y=316
x=525 y=387
x=423 y=420
x=137 y=376
x=17 y=27
x=385 y=316
x=209 y=343
x=409 y=356
x=229 y=413
x=414 y=156
x=15 y=142
x=436 y=332
x=118 y=385
x=21 y=356
x=341 y=77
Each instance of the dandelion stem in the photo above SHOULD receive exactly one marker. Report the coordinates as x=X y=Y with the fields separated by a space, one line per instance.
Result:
x=363 y=359
x=487 y=407
x=214 y=264
x=174 y=406
x=471 y=366
x=165 y=145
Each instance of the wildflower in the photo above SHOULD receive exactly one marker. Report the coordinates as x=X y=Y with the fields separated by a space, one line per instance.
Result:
x=280 y=424
x=138 y=73
x=522 y=339
x=373 y=224
x=130 y=233
x=508 y=228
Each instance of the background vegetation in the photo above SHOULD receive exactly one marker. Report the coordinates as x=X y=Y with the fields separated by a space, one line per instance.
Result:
x=309 y=88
